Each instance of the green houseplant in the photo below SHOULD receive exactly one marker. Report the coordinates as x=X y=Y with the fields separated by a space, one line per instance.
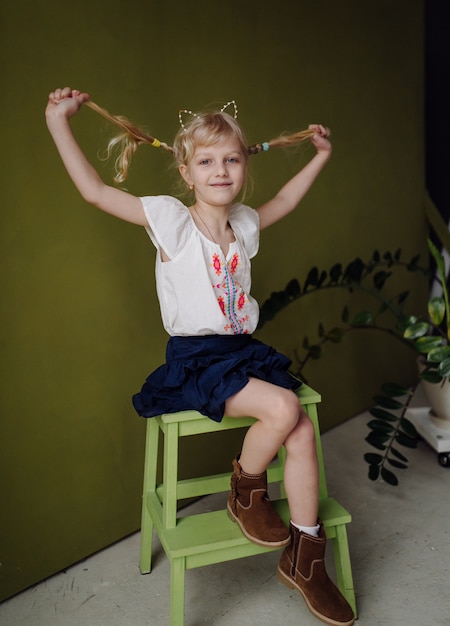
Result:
x=431 y=336
x=428 y=336
x=430 y=339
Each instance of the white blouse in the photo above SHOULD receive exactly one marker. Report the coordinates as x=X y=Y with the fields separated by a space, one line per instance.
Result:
x=200 y=291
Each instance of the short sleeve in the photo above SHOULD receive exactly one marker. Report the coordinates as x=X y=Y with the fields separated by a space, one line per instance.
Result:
x=169 y=223
x=245 y=223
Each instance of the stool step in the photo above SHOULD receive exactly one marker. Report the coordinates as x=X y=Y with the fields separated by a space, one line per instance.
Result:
x=207 y=538
x=216 y=483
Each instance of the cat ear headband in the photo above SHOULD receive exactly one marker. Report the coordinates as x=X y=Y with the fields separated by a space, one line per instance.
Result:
x=264 y=146
x=182 y=112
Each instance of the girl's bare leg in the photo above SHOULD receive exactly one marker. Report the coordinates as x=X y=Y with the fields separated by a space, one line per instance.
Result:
x=281 y=420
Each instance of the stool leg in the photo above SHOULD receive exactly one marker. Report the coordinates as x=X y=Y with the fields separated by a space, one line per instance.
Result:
x=170 y=476
x=177 y=576
x=343 y=566
x=282 y=463
x=150 y=468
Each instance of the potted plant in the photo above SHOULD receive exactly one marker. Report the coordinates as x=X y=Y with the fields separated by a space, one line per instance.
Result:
x=429 y=338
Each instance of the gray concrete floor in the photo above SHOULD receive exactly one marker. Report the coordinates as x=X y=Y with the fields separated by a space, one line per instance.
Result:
x=399 y=543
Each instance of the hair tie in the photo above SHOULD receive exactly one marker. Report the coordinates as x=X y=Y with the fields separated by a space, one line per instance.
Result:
x=156 y=143
x=265 y=146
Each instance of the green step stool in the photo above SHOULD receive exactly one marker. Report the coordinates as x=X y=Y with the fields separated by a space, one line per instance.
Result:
x=207 y=538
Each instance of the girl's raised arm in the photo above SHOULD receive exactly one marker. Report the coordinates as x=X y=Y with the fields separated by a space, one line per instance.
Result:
x=62 y=105
x=295 y=189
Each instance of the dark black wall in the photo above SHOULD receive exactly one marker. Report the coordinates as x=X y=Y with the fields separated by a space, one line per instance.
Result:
x=437 y=103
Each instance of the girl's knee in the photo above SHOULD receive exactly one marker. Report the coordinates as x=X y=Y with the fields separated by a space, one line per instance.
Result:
x=302 y=437
x=287 y=410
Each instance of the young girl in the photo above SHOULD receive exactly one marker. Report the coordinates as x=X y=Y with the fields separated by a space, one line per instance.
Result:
x=214 y=365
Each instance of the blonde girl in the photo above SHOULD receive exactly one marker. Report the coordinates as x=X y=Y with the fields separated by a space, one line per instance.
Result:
x=213 y=363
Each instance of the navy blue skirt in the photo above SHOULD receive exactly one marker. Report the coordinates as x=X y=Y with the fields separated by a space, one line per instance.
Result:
x=201 y=373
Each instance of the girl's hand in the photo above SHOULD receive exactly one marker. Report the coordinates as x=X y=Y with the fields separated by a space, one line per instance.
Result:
x=65 y=102
x=320 y=139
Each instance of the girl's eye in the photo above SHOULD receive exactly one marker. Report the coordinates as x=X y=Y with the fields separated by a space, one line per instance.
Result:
x=233 y=160
x=205 y=161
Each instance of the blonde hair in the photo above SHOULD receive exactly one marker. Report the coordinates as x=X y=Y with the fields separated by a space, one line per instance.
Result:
x=203 y=129
x=206 y=129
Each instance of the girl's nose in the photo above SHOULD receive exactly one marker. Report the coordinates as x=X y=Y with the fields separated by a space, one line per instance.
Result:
x=221 y=169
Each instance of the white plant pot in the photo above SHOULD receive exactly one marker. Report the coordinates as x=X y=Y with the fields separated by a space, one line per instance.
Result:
x=438 y=396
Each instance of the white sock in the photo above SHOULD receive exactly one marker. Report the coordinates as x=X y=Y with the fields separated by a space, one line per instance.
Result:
x=309 y=530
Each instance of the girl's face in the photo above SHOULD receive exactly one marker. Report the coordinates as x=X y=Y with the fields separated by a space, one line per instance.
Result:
x=216 y=172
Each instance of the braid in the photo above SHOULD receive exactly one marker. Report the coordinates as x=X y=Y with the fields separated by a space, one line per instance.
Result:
x=128 y=142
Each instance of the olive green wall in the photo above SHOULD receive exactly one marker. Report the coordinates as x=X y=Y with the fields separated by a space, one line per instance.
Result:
x=80 y=322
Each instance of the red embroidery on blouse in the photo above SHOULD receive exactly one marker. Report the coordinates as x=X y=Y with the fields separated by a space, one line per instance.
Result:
x=232 y=298
x=234 y=263
x=216 y=264
x=221 y=302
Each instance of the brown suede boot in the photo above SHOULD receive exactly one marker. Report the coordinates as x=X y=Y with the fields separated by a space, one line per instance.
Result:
x=250 y=507
x=302 y=567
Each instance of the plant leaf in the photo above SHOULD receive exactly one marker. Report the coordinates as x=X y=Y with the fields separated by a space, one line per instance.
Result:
x=354 y=271
x=377 y=440
x=372 y=458
x=431 y=376
x=416 y=330
x=364 y=318
x=389 y=477
x=405 y=440
x=312 y=278
x=405 y=322
x=397 y=464
x=408 y=427
x=443 y=277
x=336 y=335
x=412 y=265
x=380 y=278
x=399 y=455
x=382 y=414
x=436 y=355
x=335 y=273
x=444 y=367
x=425 y=344
x=315 y=352
x=394 y=390
x=380 y=426
x=292 y=289
x=436 y=310
x=402 y=296
x=388 y=403
x=322 y=278
x=374 y=472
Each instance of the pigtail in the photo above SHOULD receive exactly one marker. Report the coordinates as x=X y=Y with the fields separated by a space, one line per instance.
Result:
x=282 y=141
x=126 y=143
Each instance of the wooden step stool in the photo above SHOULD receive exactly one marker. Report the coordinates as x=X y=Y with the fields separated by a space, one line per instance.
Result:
x=207 y=538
